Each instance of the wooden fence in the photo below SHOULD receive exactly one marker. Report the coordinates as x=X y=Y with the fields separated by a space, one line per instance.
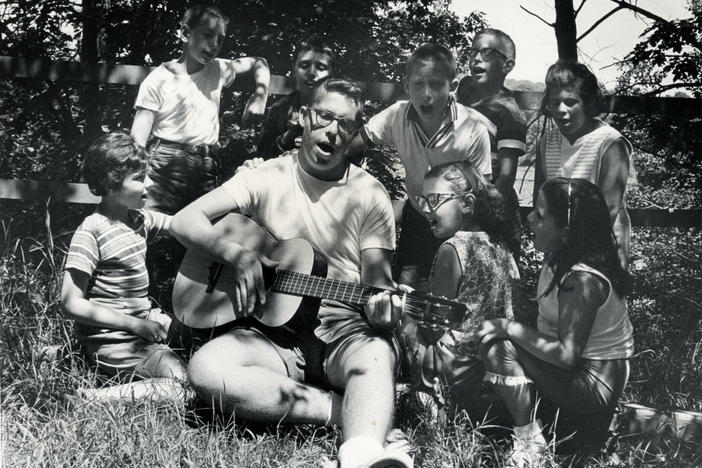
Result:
x=132 y=75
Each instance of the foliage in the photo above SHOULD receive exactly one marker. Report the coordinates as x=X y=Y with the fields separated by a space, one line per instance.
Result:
x=42 y=367
x=668 y=56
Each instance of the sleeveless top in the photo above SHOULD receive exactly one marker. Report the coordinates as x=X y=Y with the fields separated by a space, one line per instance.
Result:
x=489 y=275
x=582 y=160
x=611 y=336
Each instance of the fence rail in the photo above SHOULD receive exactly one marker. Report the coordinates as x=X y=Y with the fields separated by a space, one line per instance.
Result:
x=132 y=75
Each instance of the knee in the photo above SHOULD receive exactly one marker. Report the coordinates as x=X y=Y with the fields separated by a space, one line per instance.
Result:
x=497 y=355
x=374 y=356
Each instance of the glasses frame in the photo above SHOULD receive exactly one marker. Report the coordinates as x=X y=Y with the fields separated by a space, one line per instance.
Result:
x=314 y=118
x=485 y=53
x=420 y=199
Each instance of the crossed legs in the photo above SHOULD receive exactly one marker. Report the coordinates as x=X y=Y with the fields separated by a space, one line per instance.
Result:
x=241 y=373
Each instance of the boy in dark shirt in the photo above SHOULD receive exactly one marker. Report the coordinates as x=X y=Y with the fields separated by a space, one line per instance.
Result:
x=314 y=60
x=492 y=58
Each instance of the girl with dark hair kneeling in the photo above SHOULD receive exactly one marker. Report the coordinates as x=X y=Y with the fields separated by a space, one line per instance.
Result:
x=577 y=358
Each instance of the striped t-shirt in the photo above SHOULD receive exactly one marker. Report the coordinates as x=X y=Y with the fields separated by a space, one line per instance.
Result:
x=580 y=160
x=114 y=253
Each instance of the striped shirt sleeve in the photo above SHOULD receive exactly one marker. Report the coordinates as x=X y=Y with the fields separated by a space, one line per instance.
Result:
x=156 y=223
x=83 y=254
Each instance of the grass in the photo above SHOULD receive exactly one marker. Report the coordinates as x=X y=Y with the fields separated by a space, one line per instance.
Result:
x=41 y=363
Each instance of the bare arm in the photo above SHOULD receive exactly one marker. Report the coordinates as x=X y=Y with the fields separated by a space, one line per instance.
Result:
x=192 y=226
x=507 y=159
x=258 y=68
x=384 y=310
x=579 y=299
x=80 y=309
x=142 y=125
x=539 y=177
x=614 y=171
x=447 y=273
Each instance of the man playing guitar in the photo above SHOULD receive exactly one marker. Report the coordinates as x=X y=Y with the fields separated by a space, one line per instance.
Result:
x=334 y=365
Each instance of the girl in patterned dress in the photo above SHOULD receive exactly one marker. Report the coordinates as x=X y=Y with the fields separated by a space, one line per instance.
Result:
x=472 y=266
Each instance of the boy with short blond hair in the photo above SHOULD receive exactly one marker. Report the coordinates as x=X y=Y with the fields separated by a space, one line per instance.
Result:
x=492 y=58
x=314 y=62
x=428 y=129
x=106 y=282
x=178 y=107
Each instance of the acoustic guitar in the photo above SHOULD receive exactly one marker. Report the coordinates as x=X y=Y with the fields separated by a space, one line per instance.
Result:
x=204 y=290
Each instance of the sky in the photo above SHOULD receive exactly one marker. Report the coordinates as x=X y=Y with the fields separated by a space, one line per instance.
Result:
x=536 y=42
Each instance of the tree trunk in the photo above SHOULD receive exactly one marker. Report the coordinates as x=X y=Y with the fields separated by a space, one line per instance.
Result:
x=90 y=52
x=566 y=31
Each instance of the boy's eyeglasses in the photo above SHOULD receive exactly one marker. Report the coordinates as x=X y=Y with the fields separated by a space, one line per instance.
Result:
x=321 y=118
x=433 y=201
x=486 y=53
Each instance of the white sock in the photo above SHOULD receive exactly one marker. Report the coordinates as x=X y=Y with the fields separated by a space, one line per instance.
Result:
x=358 y=451
x=531 y=431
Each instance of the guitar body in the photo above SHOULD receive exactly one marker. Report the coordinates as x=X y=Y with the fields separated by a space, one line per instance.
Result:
x=196 y=307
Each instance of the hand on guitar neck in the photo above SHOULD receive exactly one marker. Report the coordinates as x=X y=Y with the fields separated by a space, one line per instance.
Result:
x=207 y=294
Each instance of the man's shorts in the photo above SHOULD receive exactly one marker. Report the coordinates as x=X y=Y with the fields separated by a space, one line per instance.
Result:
x=306 y=357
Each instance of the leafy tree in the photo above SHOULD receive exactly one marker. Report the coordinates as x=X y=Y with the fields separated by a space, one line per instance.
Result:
x=47 y=124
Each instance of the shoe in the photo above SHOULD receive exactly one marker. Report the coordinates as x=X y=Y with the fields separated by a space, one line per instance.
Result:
x=396 y=452
x=392 y=458
x=526 y=454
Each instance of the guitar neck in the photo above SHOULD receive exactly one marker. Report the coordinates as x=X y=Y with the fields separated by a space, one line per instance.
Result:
x=299 y=284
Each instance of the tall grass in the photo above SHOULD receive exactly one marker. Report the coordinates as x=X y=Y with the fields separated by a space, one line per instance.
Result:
x=41 y=364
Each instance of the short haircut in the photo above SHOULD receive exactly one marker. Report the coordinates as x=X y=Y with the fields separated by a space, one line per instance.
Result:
x=195 y=14
x=110 y=159
x=509 y=49
x=344 y=86
x=318 y=44
x=579 y=76
x=434 y=53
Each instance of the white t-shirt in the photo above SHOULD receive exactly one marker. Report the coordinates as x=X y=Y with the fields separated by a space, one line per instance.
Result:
x=186 y=107
x=463 y=135
x=339 y=218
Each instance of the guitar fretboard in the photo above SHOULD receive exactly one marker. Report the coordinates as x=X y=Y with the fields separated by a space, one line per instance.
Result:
x=299 y=284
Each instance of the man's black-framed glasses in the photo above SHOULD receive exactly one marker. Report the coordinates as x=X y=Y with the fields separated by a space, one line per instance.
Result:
x=321 y=118
x=432 y=201
x=486 y=53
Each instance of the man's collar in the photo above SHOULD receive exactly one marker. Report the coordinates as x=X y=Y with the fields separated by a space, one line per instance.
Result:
x=451 y=111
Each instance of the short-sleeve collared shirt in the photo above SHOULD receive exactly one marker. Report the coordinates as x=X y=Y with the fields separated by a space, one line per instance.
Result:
x=462 y=135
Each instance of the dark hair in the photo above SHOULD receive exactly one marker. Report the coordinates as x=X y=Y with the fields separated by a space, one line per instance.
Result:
x=435 y=53
x=316 y=43
x=510 y=50
x=589 y=238
x=195 y=14
x=344 y=86
x=579 y=76
x=489 y=211
x=110 y=159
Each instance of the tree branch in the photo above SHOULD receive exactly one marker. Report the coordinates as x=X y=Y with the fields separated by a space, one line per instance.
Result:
x=534 y=14
x=666 y=87
x=577 y=10
x=599 y=21
x=641 y=11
